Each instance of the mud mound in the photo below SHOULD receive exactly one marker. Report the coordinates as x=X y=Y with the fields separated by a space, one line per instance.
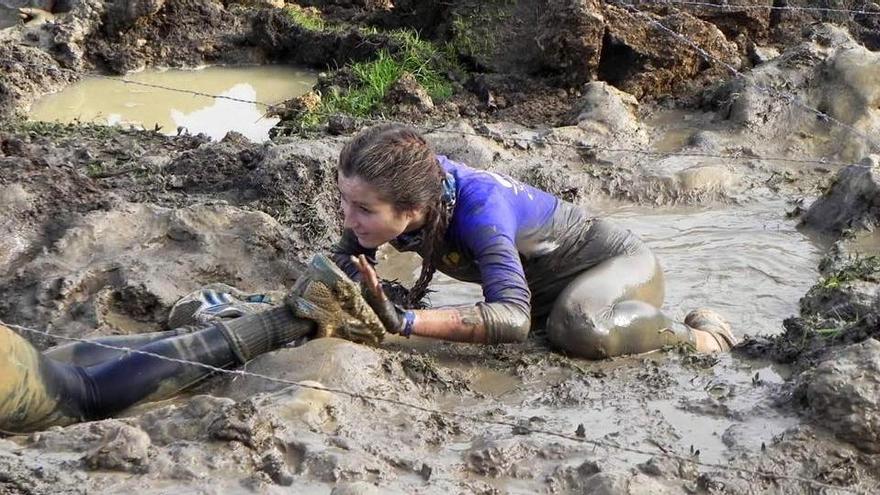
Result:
x=635 y=62
x=26 y=73
x=176 y=33
x=829 y=73
x=121 y=270
x=851 y=203
x=52 y=174
x=294 y=182
x=842 y=394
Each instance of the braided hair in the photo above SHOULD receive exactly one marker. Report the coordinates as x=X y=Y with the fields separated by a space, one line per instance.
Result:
x=397 y=161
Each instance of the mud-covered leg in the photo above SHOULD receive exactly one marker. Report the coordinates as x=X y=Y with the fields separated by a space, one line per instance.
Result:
x=28 y=398
x=37 y=392
x=613 y=309
x=88 y=354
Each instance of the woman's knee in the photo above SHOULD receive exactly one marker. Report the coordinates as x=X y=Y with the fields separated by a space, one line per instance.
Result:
x=578 y=334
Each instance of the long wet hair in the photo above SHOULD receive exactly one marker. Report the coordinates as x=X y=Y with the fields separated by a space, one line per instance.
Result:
x=397 y=161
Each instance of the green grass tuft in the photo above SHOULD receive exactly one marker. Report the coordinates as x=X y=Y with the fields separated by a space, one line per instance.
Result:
x=308 y=19
x=428 y=64
x=860 y=268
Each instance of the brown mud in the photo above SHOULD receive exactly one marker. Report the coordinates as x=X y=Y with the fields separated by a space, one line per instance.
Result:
x=102 y=229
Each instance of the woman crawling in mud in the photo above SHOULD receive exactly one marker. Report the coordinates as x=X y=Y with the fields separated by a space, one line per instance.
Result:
x=595 y=287
x=541 y=261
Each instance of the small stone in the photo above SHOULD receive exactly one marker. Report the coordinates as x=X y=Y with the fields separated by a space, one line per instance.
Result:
x=123 y=448
x=408 y=92
x=339 y=124
x=356 y=488
x=762 y=54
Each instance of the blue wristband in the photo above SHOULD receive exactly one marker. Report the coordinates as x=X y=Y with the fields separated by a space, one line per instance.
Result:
x=409 y=319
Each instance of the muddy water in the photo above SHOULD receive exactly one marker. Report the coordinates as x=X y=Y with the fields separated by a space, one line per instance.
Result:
x=746 y=261
x=109 y=101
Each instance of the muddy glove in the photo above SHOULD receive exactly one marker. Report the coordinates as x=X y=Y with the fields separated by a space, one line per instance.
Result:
x=396 y=319
x=334 y=302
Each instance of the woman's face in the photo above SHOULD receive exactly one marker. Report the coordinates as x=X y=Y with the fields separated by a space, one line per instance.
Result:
x=372 y=219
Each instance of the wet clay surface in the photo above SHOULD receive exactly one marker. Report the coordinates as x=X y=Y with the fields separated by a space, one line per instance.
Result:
x=102 y=229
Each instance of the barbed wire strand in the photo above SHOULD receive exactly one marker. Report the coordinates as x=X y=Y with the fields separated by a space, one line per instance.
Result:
x=723 y=5
x=634 y=12
x=178 y=90
x=521 y=426
x=494 y=136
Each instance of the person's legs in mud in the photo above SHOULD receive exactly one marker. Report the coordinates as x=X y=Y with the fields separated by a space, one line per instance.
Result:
x=89 y=354
x=37 y=391
x=612 y=309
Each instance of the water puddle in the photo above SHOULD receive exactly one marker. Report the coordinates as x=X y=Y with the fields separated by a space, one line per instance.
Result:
x=747 y=262
x=108 y=101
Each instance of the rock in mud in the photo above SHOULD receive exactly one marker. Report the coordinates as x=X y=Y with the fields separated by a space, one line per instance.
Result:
x=356 y=488
x=669 y=468
x=189 y=421
x=509 y=456
x=852 y=202
x=605 y=109
x=460 y=141
x=308 y=404
x=843 y=394
x=408 y=97
x=123 y=448
x=244 y=423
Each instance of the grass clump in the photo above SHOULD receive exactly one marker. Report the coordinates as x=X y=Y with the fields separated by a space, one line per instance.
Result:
x=860 y=268
x=306 y=18
x=474 y=26
x=425 y=61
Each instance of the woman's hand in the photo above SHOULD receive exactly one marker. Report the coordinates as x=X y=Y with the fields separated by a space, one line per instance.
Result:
x=395 y=319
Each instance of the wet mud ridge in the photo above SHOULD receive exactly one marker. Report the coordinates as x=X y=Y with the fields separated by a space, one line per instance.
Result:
x=771 y=126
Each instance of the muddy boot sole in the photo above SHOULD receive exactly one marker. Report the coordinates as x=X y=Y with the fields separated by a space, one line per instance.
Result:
x=709 y=321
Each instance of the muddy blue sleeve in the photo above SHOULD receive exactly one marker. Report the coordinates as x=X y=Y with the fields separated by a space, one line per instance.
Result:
x=488 y=229
x=348 y=246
